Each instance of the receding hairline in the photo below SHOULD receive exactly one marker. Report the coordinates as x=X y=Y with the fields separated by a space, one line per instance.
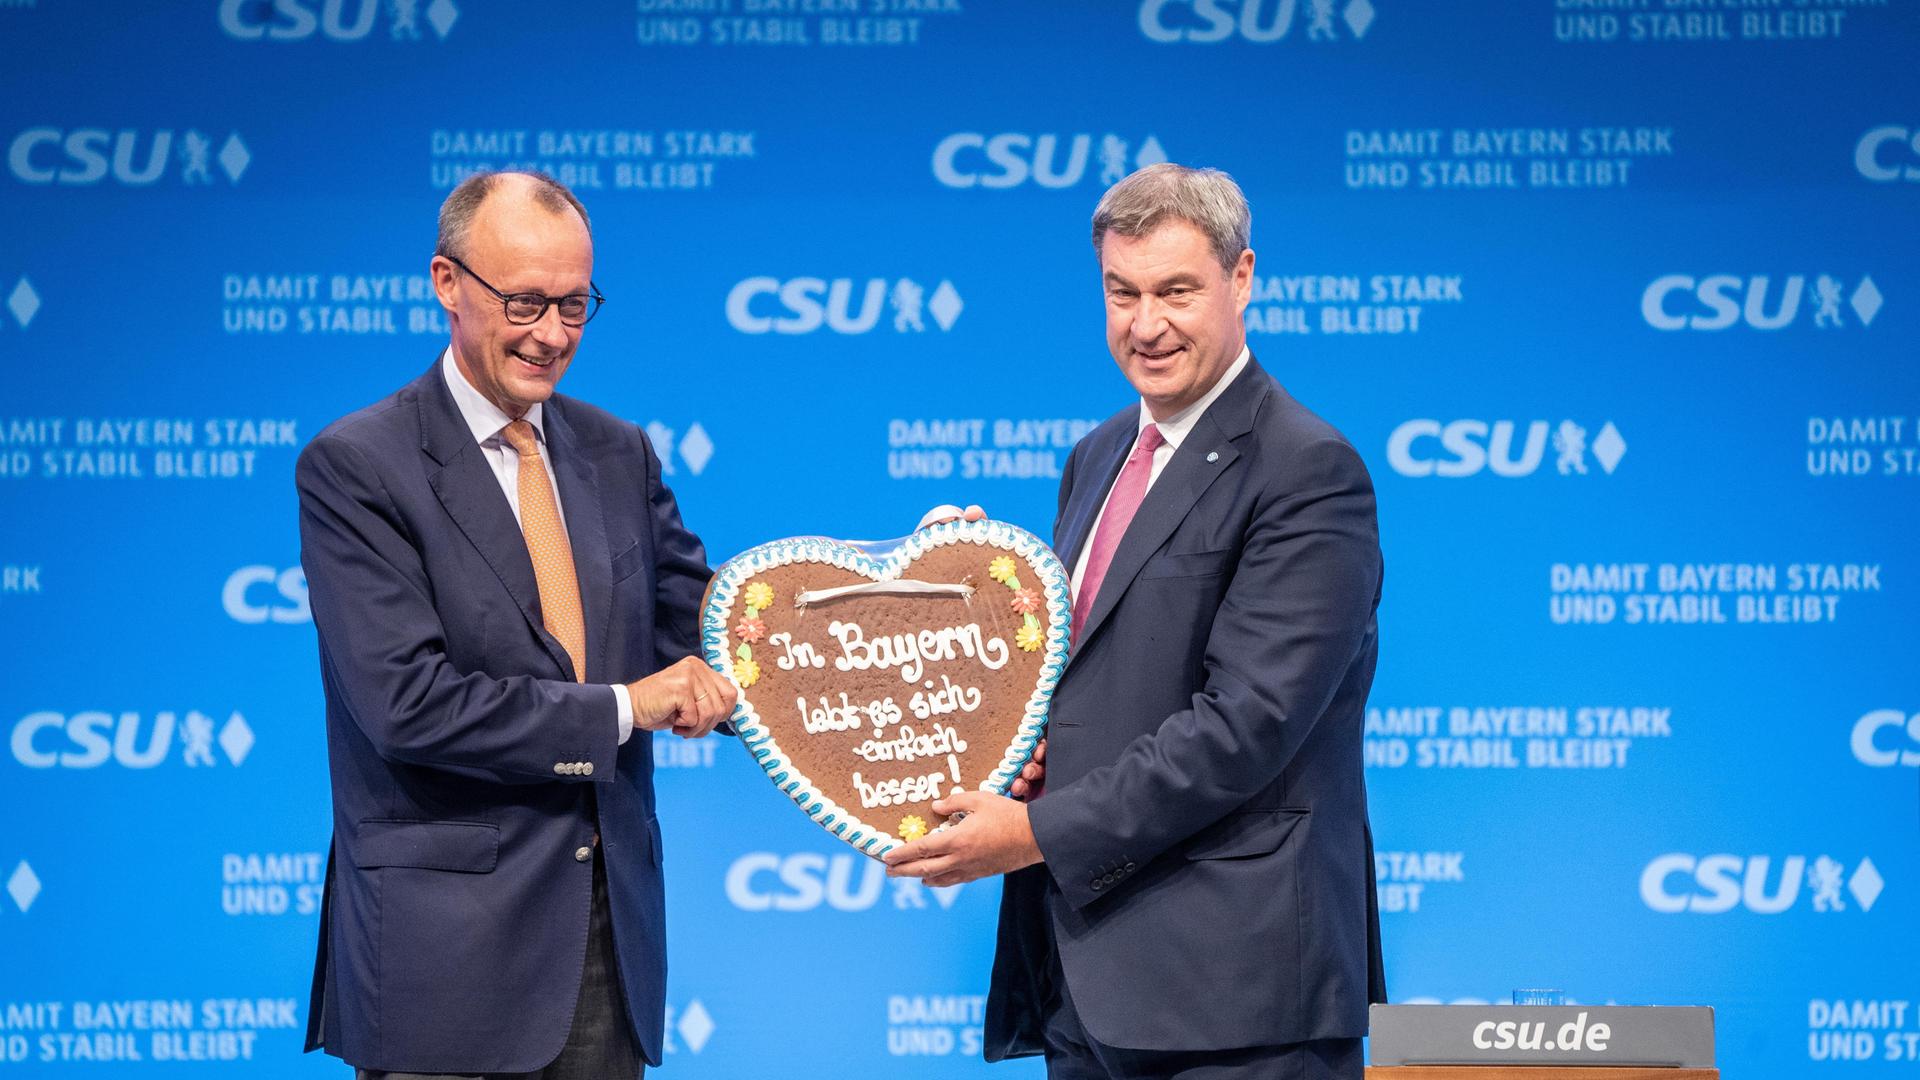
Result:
x=465 y=202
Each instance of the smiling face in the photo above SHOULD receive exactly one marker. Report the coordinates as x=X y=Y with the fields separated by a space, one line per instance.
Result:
x=518 y=245
x=1173 y=313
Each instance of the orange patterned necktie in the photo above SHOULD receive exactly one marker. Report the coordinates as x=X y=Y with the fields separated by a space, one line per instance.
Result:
x=547 y=544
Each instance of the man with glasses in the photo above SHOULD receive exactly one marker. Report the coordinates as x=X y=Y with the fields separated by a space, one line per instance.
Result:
x=503 y=592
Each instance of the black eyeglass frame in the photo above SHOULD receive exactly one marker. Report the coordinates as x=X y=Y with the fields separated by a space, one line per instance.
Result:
x=507 y=299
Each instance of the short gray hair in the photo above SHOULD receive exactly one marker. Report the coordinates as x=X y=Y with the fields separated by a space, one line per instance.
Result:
x=1207 y=199
x=463 y=202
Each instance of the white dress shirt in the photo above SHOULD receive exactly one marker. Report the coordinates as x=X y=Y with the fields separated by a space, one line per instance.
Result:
x=1175 y=429
x=487 y=422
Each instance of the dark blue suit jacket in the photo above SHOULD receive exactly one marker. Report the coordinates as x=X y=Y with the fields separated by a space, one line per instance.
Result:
x=1205 y=818
x=469 y=768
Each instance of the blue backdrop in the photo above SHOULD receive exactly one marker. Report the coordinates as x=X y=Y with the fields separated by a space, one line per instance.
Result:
x=1616 y=299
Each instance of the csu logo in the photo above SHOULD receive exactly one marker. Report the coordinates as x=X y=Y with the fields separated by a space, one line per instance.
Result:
x=83 y=156
x=1259 y=21
x=968 y=159
x=1890 y=153
x=1879 y=750
x=298 y=20
x=23 y=885
x=1718 y=301
x=1469 y=447
x=695 y=448
x=257 y=594
x=691 y=1023
x=86 y=740
x=806 y=880
x=761 y=305
x=1715 y=884
x=23 y=302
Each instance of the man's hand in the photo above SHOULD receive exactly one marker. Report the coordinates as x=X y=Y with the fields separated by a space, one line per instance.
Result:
x=689 y=698
x=994 y=838
x=950 y=512
x=1033 y=778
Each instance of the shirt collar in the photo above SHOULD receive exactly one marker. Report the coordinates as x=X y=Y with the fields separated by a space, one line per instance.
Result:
x=483 y=417
x=1176 y=427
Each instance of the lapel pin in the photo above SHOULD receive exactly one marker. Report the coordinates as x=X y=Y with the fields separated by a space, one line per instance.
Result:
x=1213 y=455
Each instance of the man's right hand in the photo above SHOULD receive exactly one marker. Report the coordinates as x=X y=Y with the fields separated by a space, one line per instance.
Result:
x=688 y=698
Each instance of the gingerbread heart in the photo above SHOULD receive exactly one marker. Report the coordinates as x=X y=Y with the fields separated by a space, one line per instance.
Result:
x=873 y=683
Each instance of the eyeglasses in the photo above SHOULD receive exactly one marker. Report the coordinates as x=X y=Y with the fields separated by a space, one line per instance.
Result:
x=524 y=308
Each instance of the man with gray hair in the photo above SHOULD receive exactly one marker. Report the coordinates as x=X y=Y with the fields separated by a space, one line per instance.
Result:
x=1192 y=894
x=506 y=603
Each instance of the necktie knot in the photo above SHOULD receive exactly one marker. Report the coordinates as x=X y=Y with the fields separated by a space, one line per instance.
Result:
x=520 y=436
x=1151 y=439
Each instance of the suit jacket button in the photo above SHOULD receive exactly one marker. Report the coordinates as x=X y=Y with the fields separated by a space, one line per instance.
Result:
x=586 y=768
x=560 y=767
x=582 y=854
x=1096 y=884
x=1128 y=868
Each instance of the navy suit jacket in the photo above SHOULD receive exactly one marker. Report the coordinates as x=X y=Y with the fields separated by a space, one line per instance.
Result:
x=469 y=768
x=1204 y=824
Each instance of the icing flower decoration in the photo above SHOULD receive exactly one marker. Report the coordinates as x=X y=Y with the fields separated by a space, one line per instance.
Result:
x=912 y=827
x=1029 y=638
x=1026 y=601
x=750 y=629
x=760 y=596
x=746 y=672
x=1001 y=569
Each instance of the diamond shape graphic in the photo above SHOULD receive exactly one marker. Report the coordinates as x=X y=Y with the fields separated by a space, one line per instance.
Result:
x=1151 y=153
x=442 y=13
x=236 y=738
x=696 y=449
x=1865 y=884
x=945 y=304
x=23 y=302
x=1609 y=447
x=695 y=1026
x=1866 y=301
x=661 y=436
x=23 y=886
x=1359 y=16
x=234 y=157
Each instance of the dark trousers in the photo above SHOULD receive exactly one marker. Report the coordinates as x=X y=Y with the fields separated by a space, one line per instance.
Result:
x=1073 y=1054
x=600 y=1044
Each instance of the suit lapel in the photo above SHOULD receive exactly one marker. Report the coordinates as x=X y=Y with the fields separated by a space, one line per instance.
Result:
x=1083 y=503
x=1204 y=456
x=468 y=489
x=586 y=532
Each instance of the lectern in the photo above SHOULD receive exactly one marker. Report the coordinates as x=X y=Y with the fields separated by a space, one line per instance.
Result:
x=1541 y=1042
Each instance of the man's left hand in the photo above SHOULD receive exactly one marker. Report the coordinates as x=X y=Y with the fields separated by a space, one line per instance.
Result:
x=949 y=512
x=994 y=838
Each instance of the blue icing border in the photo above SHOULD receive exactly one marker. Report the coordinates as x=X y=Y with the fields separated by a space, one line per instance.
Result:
x=716 y=634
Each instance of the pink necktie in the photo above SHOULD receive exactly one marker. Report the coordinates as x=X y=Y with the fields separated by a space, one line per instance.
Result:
x=1128 y=490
